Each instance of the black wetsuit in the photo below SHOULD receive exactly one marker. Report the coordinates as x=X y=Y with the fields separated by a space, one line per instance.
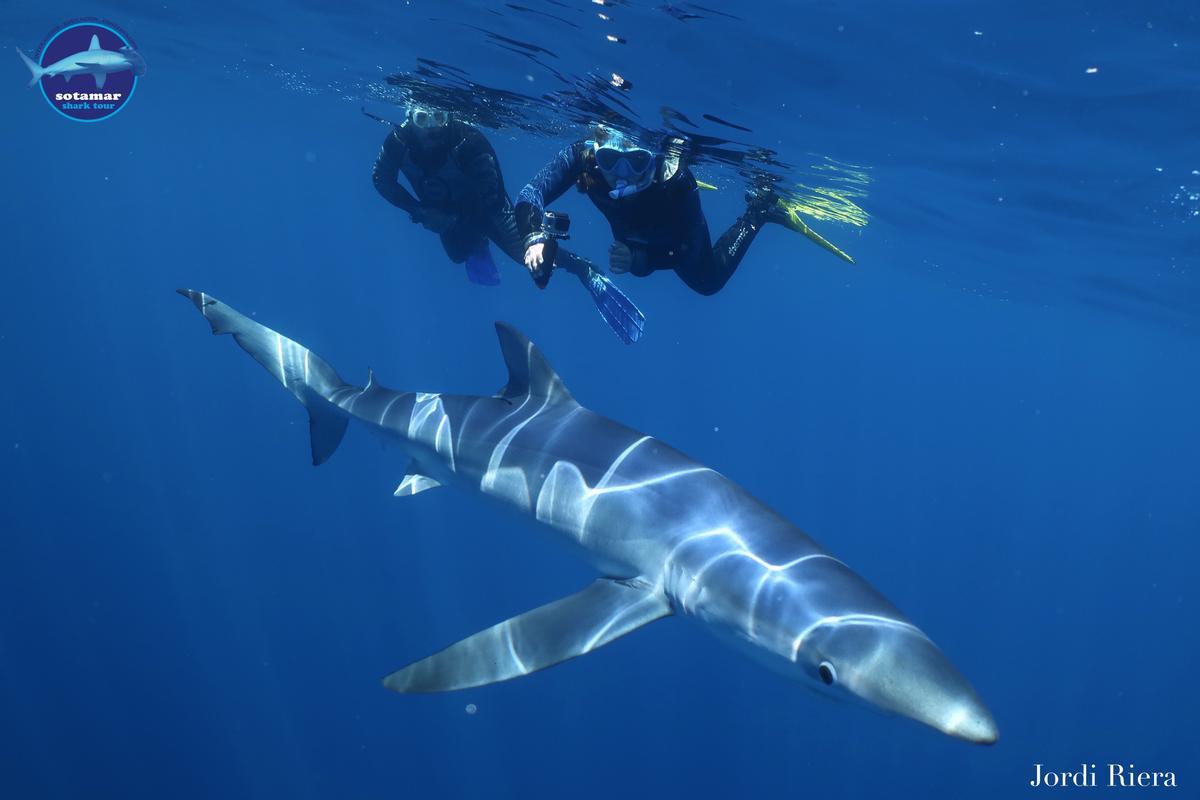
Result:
x=663 y=225
x=458 y=175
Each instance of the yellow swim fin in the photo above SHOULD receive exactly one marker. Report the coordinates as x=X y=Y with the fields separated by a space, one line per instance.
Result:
x=788 y=217
x=786 y=214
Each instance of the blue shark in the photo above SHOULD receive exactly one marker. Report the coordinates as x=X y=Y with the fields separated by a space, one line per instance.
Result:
x=668 y=536
x=95 y=61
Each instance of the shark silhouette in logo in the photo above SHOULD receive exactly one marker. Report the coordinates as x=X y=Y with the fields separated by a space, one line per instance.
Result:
x=668 y=536
x=95 y=61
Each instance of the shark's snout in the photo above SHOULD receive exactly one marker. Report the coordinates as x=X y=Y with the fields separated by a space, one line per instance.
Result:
x=974 y=724
x=896 y=668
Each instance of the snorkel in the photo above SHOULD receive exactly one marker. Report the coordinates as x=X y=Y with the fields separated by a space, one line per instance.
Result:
x=626 y=166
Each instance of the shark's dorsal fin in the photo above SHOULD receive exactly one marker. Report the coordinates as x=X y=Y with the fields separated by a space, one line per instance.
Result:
x=95 y=45
x=529 y=373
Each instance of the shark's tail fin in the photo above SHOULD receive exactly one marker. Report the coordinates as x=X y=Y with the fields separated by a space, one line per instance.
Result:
x=35 y=71
x=301 y=371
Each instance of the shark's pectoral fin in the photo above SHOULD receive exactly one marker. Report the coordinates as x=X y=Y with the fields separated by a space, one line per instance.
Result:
x=414 y=484
x=95 y=71
x=543 y=637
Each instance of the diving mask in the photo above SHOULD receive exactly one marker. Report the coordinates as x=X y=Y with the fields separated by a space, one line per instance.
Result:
x=428 y=118
x=627 y=169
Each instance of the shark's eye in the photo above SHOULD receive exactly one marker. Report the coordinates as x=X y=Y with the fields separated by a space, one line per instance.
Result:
x=827 y=672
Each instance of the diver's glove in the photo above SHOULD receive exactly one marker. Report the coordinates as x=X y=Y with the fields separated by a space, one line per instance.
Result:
x=435 y=219
x=620 y=258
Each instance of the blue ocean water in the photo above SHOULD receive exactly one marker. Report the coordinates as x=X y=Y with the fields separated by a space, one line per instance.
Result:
x=992 y=416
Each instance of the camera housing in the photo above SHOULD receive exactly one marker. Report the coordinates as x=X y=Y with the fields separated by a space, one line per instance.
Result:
x=556 y=225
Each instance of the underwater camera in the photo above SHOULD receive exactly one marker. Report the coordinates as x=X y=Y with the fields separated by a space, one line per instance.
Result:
x=555 y=227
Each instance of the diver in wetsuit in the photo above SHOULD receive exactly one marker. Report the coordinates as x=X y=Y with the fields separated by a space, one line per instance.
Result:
x=460 y=191
x=460 y=196
x=652 y=203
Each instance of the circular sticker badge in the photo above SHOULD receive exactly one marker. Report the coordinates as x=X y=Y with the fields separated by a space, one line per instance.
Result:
x=87 y=70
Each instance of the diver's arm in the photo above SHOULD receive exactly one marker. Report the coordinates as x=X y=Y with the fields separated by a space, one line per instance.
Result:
x=386 y=175
x=548 y=185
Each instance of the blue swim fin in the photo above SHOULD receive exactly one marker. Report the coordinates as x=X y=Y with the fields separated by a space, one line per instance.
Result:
x=627 y=322
x=481 y=268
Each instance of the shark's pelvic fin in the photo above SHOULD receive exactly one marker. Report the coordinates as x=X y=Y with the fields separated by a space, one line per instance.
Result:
x=302 y=372
x=543 y=637
x=95 y=45
x=414 y=484
x=529 y=373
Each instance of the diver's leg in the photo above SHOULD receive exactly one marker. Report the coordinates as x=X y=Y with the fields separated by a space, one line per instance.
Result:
x=459 y=242
x=502 y=230
x=573 y=263
x=707 y=268
x=468 y=244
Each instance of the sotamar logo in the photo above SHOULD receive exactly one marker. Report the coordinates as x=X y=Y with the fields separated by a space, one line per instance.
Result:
x=87 y=70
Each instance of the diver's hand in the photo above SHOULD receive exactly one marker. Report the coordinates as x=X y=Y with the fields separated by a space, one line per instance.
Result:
x=620 y=258
x=535 y=254
x=435 y=219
